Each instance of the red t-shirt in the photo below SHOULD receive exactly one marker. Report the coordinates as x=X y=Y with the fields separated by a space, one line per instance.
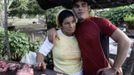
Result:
x=88 y=36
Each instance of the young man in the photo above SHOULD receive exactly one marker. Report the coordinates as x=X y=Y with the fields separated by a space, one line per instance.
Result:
x=88 y=33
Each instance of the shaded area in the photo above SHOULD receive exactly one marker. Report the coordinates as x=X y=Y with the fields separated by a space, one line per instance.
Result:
x=95 y=4
x=130 y=63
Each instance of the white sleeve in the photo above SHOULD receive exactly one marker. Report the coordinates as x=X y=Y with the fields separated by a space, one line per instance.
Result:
x=46 y=47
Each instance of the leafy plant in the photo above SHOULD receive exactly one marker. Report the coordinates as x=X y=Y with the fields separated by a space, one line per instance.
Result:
x=115 y=14
x=19 y=45
x=130 y=21
x=2 y=52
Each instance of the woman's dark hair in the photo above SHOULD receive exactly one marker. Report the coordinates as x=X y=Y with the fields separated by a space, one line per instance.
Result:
x=64 y=14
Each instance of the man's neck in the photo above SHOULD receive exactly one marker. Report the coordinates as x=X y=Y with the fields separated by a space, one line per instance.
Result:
x=82 y=19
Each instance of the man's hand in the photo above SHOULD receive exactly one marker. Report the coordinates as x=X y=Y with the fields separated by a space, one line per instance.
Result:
x=110 y=71
x=52 y=34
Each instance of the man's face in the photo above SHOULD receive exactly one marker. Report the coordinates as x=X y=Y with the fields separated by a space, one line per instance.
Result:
x=81 y=9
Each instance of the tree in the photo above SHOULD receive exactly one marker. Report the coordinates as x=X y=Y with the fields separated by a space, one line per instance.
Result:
x=20 y=7
x=2 y=9
x=114 y=14
x=51 y=14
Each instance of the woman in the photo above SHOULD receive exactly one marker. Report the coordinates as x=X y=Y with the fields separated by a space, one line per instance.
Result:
x=65 y=50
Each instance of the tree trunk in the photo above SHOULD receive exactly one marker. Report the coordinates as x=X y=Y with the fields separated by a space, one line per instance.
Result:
x=5 y=25
x=9 y=2
x=2 y=19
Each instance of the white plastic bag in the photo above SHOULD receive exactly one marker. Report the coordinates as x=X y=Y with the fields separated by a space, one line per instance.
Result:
x=29 y=58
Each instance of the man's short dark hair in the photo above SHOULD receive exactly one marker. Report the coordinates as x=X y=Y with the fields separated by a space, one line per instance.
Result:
x=70 y=3
x=74 y=1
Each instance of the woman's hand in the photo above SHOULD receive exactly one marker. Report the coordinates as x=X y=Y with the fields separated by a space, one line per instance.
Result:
x=41 y=66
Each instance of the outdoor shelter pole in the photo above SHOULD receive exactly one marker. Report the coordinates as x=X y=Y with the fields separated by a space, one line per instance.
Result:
x=5 y=24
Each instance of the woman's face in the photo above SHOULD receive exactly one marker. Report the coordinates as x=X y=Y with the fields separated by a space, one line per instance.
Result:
x=68 y=25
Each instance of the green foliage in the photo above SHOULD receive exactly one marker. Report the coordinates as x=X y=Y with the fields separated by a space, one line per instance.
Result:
x=129 y=18
x=2 y=52
x=115 y=14
x=51 y=15
x=19 y=45
x=130 y=21
x=20 y=7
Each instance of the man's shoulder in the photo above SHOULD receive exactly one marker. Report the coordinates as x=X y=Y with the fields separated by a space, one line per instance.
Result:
x=98 y=18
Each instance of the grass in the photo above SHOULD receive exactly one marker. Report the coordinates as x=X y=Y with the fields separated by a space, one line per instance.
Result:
x=18 y=21
x=27 y=26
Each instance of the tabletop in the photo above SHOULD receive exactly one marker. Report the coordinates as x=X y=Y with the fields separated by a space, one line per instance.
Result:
x=47 y=72
x=36 y=72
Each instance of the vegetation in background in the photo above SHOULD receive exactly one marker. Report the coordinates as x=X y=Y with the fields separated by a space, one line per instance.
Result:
x=20 y=7
x=115 y=14
x=19 y=45
x=51 y=15
x=130 y=21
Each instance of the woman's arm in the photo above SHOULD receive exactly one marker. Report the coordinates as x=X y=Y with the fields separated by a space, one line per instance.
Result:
x=44 y=49
x=40 y=61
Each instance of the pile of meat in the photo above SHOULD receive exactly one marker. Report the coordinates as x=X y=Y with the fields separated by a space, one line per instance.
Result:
x=4 y=66
x=25 y=70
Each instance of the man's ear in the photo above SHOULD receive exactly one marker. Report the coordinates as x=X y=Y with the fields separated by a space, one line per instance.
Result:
x=74 y=13
x=89 y=8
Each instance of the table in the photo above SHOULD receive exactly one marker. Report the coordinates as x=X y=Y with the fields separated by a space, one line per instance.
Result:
x=36 y=72
x=47 y=72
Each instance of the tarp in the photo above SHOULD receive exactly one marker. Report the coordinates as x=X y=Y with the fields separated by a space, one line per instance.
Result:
x=95 y=4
